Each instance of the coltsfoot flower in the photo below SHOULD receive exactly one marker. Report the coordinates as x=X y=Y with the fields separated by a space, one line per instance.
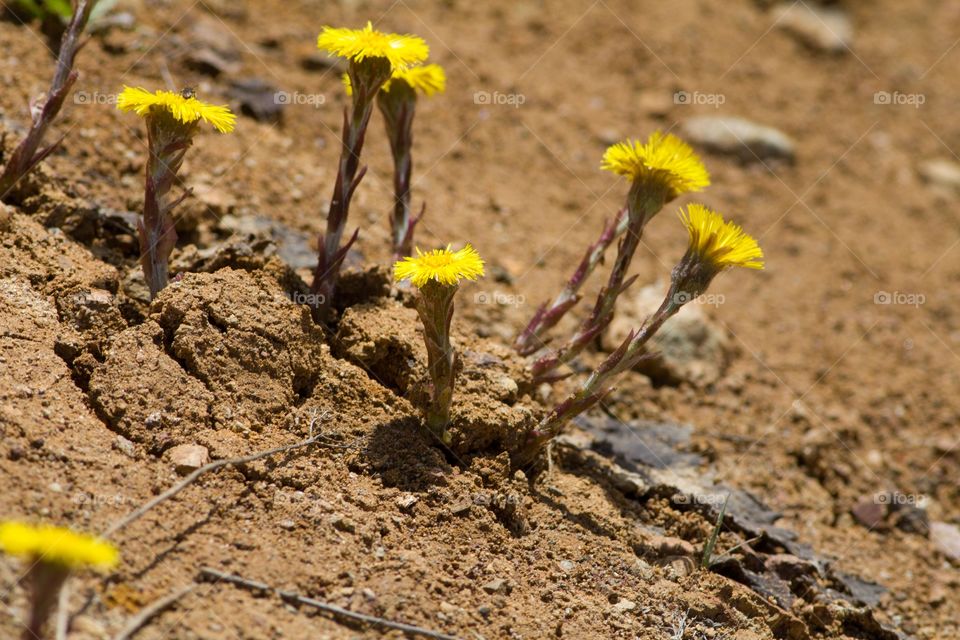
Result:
x=714 y=246
x=719 y=243
x=663 y=159
x=428 y=79
x=437 y=274
x=358 y=45
x=51 y=553
x=173 y=119
x=56 y=545
x=659 y=169
x=184 y=107
x=441 y=265
x=373 y=58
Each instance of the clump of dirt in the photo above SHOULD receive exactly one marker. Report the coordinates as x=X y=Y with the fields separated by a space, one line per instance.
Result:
x=386 y=339
x=383 y=338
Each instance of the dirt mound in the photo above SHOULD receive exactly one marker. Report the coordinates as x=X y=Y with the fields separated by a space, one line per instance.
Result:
x=816 y=395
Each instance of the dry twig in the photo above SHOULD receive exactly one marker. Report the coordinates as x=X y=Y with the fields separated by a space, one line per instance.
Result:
x=213 y=466
x=287 y=596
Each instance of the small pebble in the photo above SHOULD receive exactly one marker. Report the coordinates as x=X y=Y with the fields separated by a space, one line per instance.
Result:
x=625 y=605
x=341 y=523
x=125 y=447
x=495 y=586
x=187 y=458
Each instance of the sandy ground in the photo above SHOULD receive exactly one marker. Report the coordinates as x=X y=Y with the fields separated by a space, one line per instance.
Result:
x=835 y=404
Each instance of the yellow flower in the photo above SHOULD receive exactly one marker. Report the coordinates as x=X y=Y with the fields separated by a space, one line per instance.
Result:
x=359 y=44
x=721 y=244
x=56 y=545
x=443 y=265
x=429 y=79
x=663 y=158
x=186 y=110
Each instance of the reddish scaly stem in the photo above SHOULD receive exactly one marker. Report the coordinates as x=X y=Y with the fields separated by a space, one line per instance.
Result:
x=643 y=202
x=168 y=141
x=46 y=579
x=28 y=153
x=366 y=78
x=435 y=307
x=398 y=105
x=600 y=383
x=547 y=316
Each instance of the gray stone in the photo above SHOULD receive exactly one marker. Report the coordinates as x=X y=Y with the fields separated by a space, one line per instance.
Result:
x=125 y=447
x=259 y=99
x=820 y=28
x=749 y=141
x=406 y=501
x=293 y=247
x=462 y=507
x=688 y=348
x=946 y=538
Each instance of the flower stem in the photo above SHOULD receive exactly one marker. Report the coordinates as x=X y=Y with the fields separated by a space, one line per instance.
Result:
x=600 y=382
x=46 y=580
x=547 y=316
x=644 y=201
x=398 y=106
x=435 y=307
x=168 y=141
x=28 y=153
x=366 y=78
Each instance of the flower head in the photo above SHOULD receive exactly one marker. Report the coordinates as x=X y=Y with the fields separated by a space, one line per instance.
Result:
x=663 y=158
x=56 y=545
x=442 y=265
x=359 y=44
x=186 y=109
x=718 y=243
x=428 y=79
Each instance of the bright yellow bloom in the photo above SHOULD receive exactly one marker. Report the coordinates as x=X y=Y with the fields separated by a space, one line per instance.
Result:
x=429 y=79
x=56 y=545
x=721 y=244
x=443 y=265
x=359 y=44
x=663 y=158
x=186 y=110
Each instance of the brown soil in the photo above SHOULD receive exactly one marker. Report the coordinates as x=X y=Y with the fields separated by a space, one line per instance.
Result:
x=824 y=399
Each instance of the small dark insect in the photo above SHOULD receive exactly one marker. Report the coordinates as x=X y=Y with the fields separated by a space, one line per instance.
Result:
x=188 y=92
